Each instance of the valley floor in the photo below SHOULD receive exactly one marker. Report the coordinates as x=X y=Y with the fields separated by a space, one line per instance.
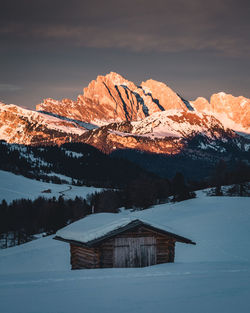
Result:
x=213 y=276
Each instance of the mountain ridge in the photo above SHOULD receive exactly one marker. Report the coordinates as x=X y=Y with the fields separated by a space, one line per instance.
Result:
x=112 y=98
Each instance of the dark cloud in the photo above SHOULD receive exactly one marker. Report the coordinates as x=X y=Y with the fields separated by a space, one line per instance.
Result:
x=197 y=45
x=9 y=88
x=134 y=25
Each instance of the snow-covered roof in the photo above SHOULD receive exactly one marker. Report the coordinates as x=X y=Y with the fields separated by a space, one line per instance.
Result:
x=97 y=227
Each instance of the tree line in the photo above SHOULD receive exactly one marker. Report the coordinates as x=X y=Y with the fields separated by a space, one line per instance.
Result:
x=22 y=219
x=224 y=175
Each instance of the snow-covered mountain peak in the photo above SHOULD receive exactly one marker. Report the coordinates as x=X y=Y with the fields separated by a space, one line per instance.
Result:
x=176 y=123
x=115 y=78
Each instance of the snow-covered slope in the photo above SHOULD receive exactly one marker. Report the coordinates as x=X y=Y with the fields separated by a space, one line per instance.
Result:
x=212 y=276
x=19 y=125
x=13 y=187
x=167 y=132
x=176 y=123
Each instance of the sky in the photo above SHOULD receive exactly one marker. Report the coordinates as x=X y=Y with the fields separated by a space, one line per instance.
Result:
x=54 y=48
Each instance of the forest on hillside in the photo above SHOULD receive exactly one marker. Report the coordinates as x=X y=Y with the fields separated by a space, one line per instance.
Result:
x=84 y=164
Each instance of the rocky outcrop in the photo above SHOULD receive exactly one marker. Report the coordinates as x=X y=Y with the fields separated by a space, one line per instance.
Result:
x=65 y=108
x=163 y=96
x=112 y=98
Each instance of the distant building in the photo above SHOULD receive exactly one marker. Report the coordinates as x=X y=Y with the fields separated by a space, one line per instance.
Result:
x=106 y=240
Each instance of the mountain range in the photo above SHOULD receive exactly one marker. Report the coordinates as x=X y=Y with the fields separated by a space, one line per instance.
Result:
x=115 y=115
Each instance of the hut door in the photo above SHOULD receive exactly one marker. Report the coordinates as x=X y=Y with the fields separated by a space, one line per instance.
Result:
x=134 y=252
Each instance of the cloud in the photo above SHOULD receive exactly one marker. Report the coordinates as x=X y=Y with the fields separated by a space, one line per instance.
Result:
x=9 y=87
x=141 y=41
x=138 y=25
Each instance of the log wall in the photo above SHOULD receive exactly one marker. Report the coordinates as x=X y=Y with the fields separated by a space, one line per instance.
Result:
x=83 y=257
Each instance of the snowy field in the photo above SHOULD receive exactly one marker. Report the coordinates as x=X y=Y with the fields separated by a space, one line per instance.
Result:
x=14 y=187
x=213 y=276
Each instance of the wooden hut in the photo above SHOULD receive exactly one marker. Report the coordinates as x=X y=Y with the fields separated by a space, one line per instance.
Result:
x=104 y=240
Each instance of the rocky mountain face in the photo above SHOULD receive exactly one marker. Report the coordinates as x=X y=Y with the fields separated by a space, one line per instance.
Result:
x=18 y=125
x=233 y=112
x=112 y=98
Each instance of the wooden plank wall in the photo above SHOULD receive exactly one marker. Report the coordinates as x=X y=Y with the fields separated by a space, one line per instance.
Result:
x=103 y=256
x=134 y=251
x=165 y=246
x=107 y=254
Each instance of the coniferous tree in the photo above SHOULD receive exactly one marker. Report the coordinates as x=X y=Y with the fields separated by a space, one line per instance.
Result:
x=179 y=188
